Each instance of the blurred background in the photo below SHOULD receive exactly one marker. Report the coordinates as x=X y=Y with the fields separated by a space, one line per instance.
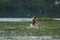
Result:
x=29 y=8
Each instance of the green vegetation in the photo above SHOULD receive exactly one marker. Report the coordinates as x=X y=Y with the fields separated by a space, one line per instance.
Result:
x=38 y=8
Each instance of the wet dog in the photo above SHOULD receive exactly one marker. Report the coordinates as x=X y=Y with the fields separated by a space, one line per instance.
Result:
x=33 y=20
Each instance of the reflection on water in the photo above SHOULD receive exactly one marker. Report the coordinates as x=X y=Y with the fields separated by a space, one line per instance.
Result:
x=23 y=35
x=17 y=35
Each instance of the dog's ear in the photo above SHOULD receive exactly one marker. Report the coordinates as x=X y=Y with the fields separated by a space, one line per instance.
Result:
x=34 y=17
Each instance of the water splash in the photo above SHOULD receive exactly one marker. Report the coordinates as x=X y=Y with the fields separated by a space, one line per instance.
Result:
x=33 y=26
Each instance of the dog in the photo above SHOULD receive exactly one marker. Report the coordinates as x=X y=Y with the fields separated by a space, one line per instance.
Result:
x=33 y=20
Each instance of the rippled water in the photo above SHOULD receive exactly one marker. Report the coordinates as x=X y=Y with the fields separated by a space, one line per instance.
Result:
x=19 y=35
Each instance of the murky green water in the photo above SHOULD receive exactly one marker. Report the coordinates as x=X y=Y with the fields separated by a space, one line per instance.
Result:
x=25 y=32
x=17 y=35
